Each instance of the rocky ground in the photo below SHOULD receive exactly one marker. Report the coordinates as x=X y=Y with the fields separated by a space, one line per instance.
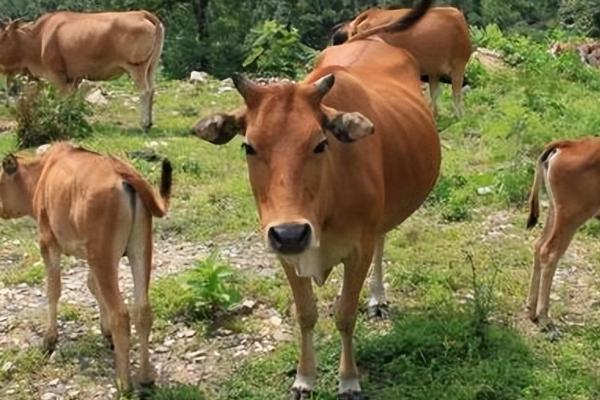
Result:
x=179 y=354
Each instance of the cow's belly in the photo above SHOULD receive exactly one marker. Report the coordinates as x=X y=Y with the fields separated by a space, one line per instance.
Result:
x=95 y=72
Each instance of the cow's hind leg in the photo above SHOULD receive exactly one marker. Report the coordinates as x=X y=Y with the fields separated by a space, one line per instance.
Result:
x=355 y=271
x=551 y=251
x=378 y=305
x=139 y=252
x=458 y=76
x=306 y=313
x=104 y=322
x=106 y=275
x=146 y=89
x=51 y=256
x=434 y=93
x=534 y=286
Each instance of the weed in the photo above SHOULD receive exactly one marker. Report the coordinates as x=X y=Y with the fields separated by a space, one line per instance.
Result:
x=43 y=115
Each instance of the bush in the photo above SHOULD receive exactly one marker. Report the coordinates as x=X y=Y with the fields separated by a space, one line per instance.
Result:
x=274 y=50
x=199 y=294
x=43 y=115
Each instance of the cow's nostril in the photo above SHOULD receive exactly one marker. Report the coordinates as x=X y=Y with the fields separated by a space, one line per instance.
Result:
x=290 y=238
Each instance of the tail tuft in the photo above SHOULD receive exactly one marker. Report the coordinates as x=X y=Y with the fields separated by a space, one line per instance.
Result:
x=532 y=220
x=166 y=179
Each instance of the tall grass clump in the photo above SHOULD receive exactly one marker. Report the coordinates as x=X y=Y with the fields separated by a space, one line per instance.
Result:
x=43 y=115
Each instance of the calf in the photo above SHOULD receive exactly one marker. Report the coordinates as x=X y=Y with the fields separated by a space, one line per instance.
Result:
x=440 y=42
x=570 y=172
x=336 y=162
x=97 y=208
x=66 y=47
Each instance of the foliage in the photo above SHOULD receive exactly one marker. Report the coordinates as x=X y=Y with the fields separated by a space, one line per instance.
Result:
x=198 y=294
x=44 y=115
x=211 y=286
x=582 y=16
x=276 y=50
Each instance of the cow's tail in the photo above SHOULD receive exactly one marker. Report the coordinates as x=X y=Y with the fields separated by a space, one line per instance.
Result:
x=157 y=49
x=403 y=23
x=534 y=194
x=157 y=204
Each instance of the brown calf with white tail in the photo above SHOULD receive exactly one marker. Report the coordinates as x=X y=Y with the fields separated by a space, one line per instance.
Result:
x=336 y=162
x=67 y=47
x=97 y=208
x=570 y=172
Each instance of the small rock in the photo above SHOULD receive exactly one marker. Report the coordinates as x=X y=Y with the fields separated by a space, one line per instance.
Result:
x=7 y=367
x=282 y=336
x=54 y=382
x=49 y=396
x=96 y=97
x=485 y=190
x=199 y=76
x=161 y=349
x=275 y=320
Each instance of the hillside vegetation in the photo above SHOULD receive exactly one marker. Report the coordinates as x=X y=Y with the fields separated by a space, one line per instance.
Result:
x=457 y=271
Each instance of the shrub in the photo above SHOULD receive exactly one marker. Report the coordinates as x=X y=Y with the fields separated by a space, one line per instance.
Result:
x=43 y=115
x=197 y=294
x=274 y=50
x=211 y=286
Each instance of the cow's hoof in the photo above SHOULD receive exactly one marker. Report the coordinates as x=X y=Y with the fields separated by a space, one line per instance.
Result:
x=378 y=311
x=49 y=344
x=108 y=340
x=301 y=394
x=552 y=332
x=351 y=395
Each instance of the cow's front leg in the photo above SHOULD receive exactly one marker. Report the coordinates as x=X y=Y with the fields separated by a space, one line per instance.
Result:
x=355 y=272
x=51 y=257
x=378 y=305
x=306 y=313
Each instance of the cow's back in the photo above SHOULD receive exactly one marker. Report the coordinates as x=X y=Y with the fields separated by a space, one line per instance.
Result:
x=438 y=41
x=95 y=46
x=398 y=165
x=79 y=197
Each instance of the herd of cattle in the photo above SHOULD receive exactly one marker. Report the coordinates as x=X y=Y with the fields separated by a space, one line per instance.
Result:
x=335 y=162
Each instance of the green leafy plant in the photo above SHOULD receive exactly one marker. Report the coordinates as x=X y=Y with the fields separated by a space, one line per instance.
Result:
x=274 y=50
x=211 y=287
x=43 y=115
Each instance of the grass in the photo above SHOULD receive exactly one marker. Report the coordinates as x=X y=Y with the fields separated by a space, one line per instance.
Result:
x=454 y=334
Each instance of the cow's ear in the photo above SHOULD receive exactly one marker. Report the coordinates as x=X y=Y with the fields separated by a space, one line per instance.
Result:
x=221 y=128
x=347 y=127
x=10 y=165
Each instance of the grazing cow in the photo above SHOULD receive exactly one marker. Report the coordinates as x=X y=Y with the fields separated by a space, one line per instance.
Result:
x=570 y=172
x=97 y=208
x=66 y=47
x=335 y=162
x=440 y=42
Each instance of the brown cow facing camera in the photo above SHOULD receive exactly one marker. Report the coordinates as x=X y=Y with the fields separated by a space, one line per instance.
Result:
x=67 y=47
x=335 y=162
x=97 y=208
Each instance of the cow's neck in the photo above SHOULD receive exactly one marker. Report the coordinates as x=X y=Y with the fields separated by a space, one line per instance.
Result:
x=30 y=50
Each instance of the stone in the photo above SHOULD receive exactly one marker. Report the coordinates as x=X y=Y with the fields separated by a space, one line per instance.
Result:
x=199 y=76
x=96 y=97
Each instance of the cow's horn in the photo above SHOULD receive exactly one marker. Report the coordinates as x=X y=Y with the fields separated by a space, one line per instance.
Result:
x=325 y=84
x=248 y=89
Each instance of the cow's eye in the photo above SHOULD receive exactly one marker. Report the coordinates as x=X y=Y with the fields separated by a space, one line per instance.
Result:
x=248 y=149
x=321 y=147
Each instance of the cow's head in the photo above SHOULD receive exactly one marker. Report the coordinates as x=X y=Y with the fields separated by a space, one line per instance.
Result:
x=9 y=45
x=15 y=199
x=289 y=138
